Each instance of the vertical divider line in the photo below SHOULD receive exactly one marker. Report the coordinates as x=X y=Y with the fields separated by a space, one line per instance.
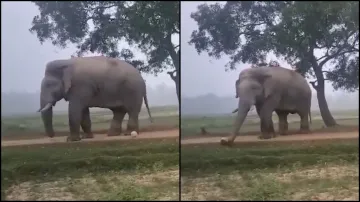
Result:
x=179 y=77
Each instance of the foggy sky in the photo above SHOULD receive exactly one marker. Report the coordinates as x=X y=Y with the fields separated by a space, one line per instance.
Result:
x=23 y=58
x=201 y=74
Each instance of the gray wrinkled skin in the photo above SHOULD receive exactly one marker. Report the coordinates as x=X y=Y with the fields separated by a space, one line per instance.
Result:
x=92 y=82
x=271 y=89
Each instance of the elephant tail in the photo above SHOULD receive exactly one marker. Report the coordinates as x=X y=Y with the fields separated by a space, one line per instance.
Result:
x=310 y=115
x=147 y=107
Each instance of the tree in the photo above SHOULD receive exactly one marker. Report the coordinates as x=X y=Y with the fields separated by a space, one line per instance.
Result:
x=98 y=26
x=247 y=31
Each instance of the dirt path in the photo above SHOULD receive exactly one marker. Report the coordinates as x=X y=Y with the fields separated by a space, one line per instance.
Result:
x=175 y=133
x=97 y=137
x=298 y=137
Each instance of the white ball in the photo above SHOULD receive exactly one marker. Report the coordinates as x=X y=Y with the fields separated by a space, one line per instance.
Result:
x=224 y=141
x=133 y=134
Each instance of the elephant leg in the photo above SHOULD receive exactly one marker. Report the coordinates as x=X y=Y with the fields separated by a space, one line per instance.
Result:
x=133 y=123
x=266 y=134
x=75 y=118
x=271 y=129
x=266 y=119
x=86 y=124
x=304 y=123
x=262 y=126
x=116 y=123
x=283 y=123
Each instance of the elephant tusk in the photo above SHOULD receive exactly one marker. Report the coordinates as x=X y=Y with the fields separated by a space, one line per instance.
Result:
x=47 y=107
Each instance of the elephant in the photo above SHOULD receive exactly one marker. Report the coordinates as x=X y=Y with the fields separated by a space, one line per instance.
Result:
x=96 y=81
x=283 y=124
x=271 y=127
x=271 y=89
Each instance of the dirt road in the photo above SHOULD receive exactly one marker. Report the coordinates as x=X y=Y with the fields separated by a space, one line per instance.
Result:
x=175 y=133
x=297 y=137
x=97 y=137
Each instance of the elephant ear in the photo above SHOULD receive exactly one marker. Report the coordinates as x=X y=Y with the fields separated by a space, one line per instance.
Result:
x=61 y=69
x=236 y=88
x=67 y=75
x=263 y=77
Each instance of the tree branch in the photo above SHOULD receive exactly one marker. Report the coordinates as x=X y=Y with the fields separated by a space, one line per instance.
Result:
x=339 y=51
x=335 y=55
x=171 y=74
x=173 y=54
x=176 y=31
x=314 y=85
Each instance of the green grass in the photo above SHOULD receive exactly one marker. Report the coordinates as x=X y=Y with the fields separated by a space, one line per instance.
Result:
x=164 y=118
x=255 y=171
x=299 y=170
x=190 y=126
x=58 y=162
x=210 y=158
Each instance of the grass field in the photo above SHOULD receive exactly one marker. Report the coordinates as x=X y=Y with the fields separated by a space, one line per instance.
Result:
x=298 y=171
x=134 y=169
x=31 y=126
x=217 y=126
x=120 y=170
x=270 y=170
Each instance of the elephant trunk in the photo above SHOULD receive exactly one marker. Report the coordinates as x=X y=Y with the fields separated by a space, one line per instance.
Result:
x=47 y=116
x=242 y=111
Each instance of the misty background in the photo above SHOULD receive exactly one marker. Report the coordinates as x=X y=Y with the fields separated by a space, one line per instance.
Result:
x=207 y=89
x=24 y=59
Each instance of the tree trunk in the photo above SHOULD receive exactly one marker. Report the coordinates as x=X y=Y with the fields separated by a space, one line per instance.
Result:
x=175 y=56
x=177 y=85
x=320 y=90
x=175 y=78
x=324 y=108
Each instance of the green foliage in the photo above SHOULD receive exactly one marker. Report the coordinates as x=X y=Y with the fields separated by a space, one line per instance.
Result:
x=345 y=74
x=98 y=26
x=247 y=31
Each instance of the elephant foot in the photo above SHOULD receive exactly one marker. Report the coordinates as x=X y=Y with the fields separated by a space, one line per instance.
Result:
x=303 y=131
x=226 y=142
x=88 y=136
x=114 y=131
x=265 y=136
x=110 y=134
x=128 y=133
x=73 y=138
x=283 y=133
